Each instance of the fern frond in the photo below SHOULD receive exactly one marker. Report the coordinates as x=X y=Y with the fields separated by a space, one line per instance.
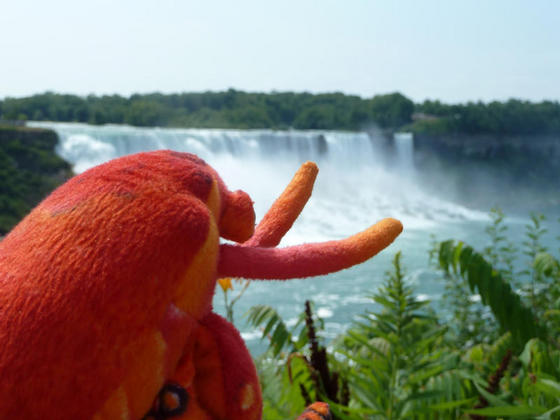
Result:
x=506 y=305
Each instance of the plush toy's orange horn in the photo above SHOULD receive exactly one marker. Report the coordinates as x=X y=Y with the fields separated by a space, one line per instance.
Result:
x=286 y=209
x=308 y=259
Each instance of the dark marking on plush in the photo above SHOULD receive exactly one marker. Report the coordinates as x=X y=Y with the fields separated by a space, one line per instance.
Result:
x=160 y=411
x=182 y=397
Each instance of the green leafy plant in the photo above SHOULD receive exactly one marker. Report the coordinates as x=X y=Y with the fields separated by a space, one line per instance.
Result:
x=398 y=360
x=532 y=246
x=395 y=353
x=506 y=305
x=304 y=367
x=226 y=284
x=501 y=252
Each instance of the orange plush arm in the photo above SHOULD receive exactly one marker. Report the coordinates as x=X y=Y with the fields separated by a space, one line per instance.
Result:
x=285 y=210
x=308 y=259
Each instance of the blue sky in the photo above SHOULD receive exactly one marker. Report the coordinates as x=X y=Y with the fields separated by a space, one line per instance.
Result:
x=450 y=50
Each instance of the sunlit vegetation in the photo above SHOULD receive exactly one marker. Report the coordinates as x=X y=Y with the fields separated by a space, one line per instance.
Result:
x=403 y=360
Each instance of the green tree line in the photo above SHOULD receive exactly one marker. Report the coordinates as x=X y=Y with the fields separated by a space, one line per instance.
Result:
x=514 y=117
x=283 y=110
x=229 y=109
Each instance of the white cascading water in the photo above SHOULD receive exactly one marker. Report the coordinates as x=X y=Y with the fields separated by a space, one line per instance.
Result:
x=360 y=181
x=357 y=181
x=404 y=159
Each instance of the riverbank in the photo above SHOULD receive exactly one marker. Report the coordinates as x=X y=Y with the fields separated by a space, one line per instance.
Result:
x=29 y=168
x=519 y=173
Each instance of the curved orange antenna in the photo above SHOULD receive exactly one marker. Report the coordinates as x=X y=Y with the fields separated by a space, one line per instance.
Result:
x=285 y=210
x=308 y=259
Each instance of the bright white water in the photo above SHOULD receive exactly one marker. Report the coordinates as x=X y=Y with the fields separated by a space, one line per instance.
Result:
x=360 y=181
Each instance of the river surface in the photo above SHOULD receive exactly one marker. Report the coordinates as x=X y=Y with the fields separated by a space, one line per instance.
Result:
x=359 y=183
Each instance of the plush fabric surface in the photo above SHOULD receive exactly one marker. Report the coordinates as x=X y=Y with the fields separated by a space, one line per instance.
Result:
x=106 y=291
x=316 y=411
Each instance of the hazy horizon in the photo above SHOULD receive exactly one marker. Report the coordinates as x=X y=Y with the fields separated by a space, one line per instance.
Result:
x=451 y=51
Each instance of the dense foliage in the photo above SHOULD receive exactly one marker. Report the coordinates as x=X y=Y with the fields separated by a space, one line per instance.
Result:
x=230 y=109
x=514 y=117
x=29 y=170
x=282 y=110
x=402 y=360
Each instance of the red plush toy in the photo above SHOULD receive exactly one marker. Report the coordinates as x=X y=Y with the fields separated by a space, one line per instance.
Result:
x=106 y=292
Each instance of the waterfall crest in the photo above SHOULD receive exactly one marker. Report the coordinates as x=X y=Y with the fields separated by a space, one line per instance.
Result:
x=361 y=179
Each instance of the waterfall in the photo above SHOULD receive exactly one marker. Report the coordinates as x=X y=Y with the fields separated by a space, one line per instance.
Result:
x=404 y=146
x=359 y=181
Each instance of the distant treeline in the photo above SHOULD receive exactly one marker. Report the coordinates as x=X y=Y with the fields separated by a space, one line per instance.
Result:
x=230 y=109
x=330 y=111
x=513 y=117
